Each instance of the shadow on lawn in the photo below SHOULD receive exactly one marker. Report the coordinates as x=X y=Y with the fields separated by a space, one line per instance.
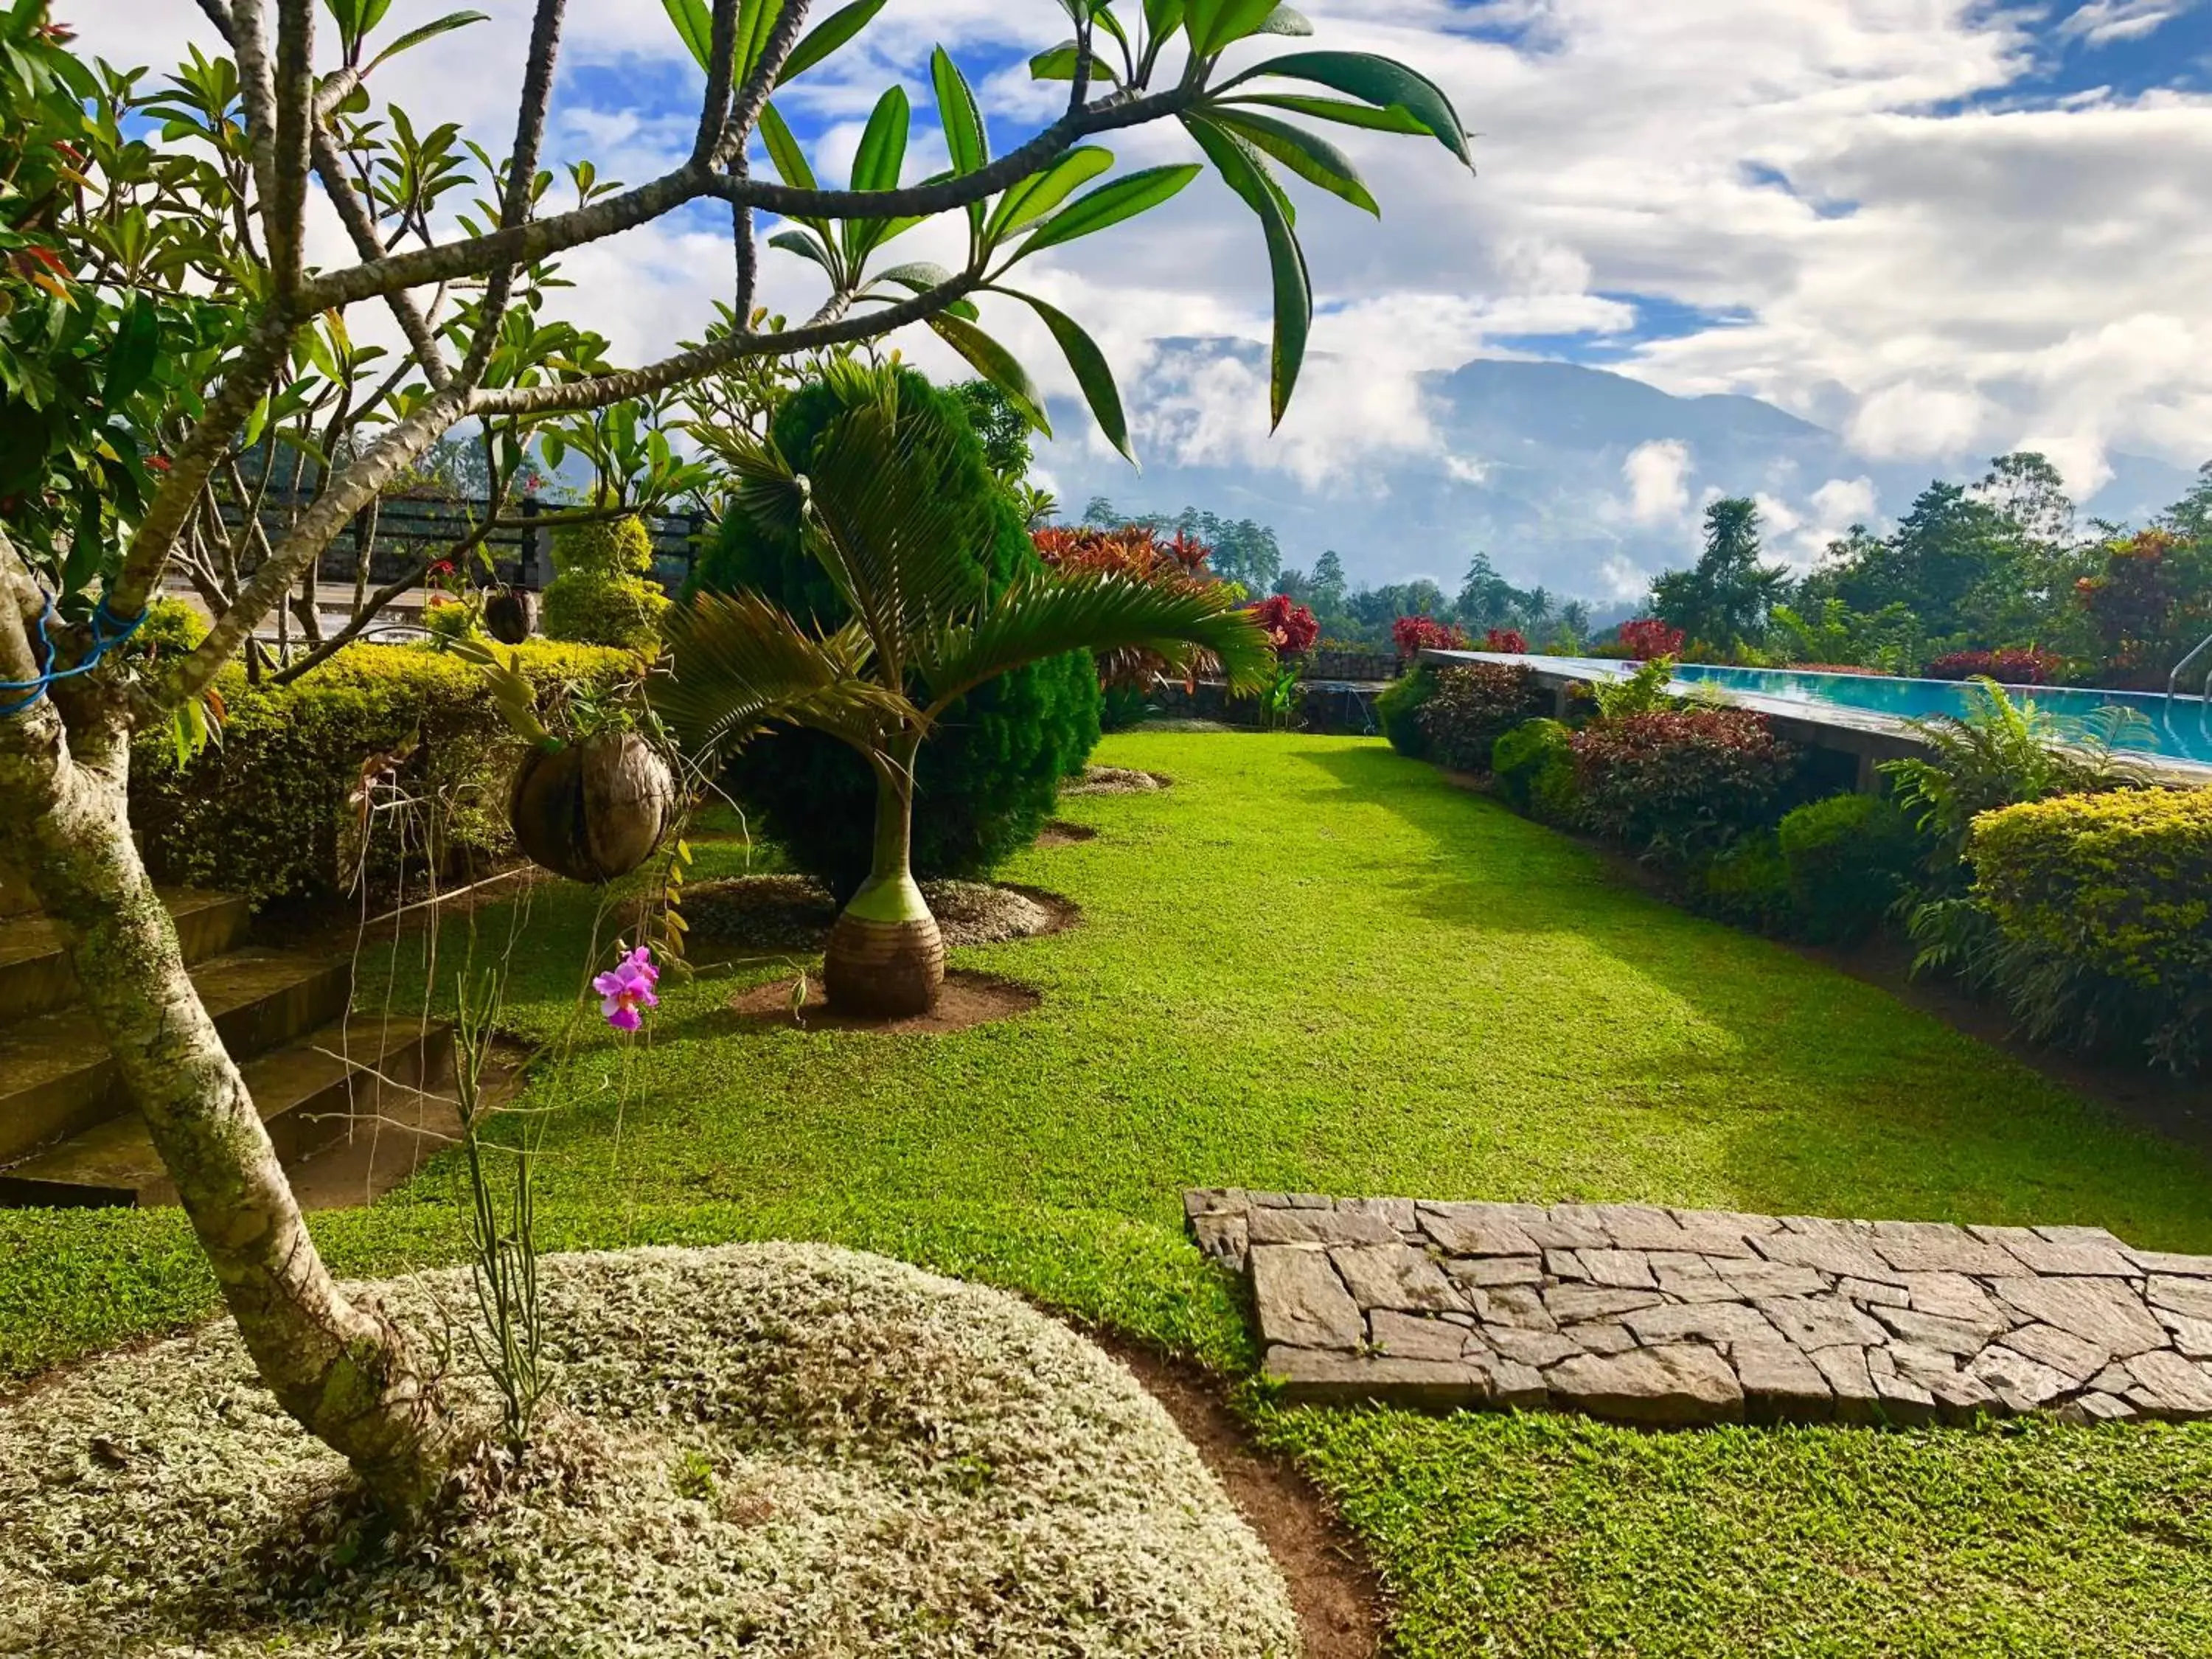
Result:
x=1829 y=1095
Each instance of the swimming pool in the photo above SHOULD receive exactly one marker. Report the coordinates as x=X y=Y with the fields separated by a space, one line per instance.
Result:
x=2177 y=729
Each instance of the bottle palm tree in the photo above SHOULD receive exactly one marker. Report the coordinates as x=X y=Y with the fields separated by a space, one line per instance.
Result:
x=903 y=556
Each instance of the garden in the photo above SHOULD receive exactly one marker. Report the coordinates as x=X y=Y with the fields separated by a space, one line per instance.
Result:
x=787 y=1115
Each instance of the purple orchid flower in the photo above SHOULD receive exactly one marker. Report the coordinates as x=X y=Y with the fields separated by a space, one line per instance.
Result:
x=627 y=988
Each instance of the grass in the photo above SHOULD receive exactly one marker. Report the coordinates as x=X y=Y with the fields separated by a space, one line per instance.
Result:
x=1313 y=965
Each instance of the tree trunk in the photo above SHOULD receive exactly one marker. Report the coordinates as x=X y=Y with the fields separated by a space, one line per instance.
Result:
x=885 y=957
x=342 y=1371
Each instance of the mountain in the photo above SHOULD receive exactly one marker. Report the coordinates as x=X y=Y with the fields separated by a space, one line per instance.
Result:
x=1582 y=479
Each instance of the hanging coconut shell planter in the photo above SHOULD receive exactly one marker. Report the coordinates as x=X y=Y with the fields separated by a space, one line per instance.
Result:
x=510 y=614
x=593 y=809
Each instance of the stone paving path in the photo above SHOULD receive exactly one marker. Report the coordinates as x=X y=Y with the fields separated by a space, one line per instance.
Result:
x=1655 y=1316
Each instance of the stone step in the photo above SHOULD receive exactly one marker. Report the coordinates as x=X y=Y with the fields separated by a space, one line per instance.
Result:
x=35 y=977
x=313 y=1094
x=57 y=1079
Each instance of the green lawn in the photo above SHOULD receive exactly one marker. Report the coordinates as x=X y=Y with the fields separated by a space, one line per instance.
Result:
x=1312 y=964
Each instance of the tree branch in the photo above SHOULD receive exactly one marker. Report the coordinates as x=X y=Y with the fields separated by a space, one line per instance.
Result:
x=833 y=328
x=347 y=492
x=542 y=238
x=714 y=109
x=285 y=215
x=521 y=175
x=353 y=213
x=257 y=88
x=753 y=97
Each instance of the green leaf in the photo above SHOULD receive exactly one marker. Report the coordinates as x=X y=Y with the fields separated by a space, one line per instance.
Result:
x=1040 y=192
x=1285 y=20
x=1092 y=372
x=783 y=151
x=1378 y=80
x=803 y=244
x=1110 y=204
x=1287 y=261
x=130 y=358
x=695 y=24
x=756 y=22
x=1255 y=179
x=429 y=31
x=1058 y=64
x=965 y=140
x=920 y=275
x=826 y=36
x=883 y=143
x=1216 y=24
x=1163 y=17
x=1313 y=159
x=1394 y=118
x=995 y=364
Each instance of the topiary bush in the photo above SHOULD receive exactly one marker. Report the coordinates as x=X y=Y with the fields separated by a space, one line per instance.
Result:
x=2103 y=911
x=1681 y=784
x=1398 y=706
x=273 y=811
x=1474 y=706
x=985 y=783
x=1519 y=757
x=603 y=592
x=1850 y=859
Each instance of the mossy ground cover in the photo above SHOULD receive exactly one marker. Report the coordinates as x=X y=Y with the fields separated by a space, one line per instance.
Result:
x=1312 y=964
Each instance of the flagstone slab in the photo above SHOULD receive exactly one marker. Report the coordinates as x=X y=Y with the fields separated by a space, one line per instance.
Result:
x=1675 y=1317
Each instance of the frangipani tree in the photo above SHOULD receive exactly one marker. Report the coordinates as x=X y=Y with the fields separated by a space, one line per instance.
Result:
x=102 y=527
x=904 y=555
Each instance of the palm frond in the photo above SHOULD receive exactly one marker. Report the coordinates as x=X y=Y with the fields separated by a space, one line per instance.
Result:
x=904 y=550
x=1042 y=616
x=741 y=664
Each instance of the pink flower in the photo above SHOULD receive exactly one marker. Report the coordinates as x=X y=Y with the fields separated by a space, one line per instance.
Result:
x=627 y=988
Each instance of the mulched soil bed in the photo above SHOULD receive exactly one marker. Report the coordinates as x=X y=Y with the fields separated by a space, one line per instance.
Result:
x=794 y=913
x=1115 y=780
x=968 y=999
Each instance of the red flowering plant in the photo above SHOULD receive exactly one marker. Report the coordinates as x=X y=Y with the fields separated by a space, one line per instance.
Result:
x=2018 y=665
x=1177 y=563
x=1647 y=637
x=1510 y=642
x=1414 y=634
x=1292 y=626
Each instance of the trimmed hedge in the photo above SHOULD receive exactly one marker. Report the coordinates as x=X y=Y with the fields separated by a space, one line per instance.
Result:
x=1849 y=857
x=273 y=809
x=2104 y=902
x=602 y=595
x=1398 y=706
x=1474 y=706
x=1682 y=784
x=1522 y=756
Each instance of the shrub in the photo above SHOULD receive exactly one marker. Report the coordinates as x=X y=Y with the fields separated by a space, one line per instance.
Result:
x=1121 y=707
x=2103 y=908
x=1555 y=793
x=1474 y=705
x=1749 y=883
x=273 y=811
x=1639 y=693
x=987 y=782
x=1507 y=640
x=172 y=628
x=1398 y=706
x=2015 y=666
x=1414 y=634
x=602 y=592
x=1682 y=783
x=1648 y=637
x=1848 y=859
x=1520 y=756
x=449 y=619
x=1289 y=624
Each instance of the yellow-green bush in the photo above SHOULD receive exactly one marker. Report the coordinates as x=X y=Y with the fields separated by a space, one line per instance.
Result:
x=274 y=809
x=602 y=593
x=2104 y=903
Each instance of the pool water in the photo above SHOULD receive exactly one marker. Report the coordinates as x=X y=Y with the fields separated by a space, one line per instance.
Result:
x=2180 y=728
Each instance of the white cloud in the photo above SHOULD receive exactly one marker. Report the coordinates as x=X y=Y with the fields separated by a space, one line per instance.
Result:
x=2103 y=21
x=1657 y=475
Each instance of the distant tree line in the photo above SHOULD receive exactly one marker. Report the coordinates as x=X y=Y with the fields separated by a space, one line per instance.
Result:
x=1992 y=575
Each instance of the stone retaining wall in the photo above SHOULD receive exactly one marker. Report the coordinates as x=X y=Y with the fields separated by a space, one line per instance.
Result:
x=1676 y=1317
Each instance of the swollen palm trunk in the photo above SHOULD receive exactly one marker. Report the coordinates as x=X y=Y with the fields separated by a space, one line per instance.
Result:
x=885 y=957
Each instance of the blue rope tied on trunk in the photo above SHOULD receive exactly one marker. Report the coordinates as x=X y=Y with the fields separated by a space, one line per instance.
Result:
x=108 y=631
